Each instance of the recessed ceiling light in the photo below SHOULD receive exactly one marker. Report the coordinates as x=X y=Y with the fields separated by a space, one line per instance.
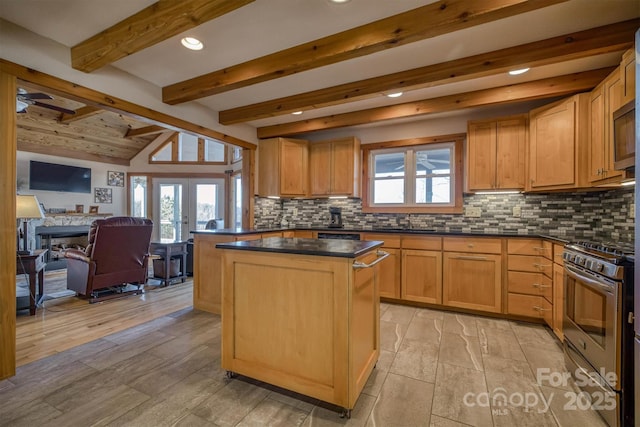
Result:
x=339 y=1
x=394 y=95
x=192 y=43
x=297 y=113
x=520 y=71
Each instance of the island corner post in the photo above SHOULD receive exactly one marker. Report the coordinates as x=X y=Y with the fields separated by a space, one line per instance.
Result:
x=306 y=323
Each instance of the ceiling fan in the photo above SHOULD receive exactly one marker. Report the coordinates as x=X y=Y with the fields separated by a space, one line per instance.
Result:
x=24 y=99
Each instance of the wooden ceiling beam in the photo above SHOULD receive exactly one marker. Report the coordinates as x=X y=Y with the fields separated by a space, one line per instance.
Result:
x=428 y=21
x=538 y=89
x=609 y=38
x=147 y=130
x=81 y=113
x=56 y=86
x=153 y=24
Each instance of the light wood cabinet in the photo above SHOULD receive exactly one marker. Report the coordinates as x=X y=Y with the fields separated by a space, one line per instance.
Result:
x=628 y=76
x=283 y=167
x=529 y=279
x=496 y=153
x=335 y=167
x=557 y=148
x=472 y=280
x=604 y=100
x=558 y=290
x=422 y=276
x=390 y=268
x=309 y=324
x=207 y=265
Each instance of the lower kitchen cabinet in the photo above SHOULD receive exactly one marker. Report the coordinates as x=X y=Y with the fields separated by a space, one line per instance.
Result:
x=558 y=290
x=472 y=281
x=389 y=282
x=422 y=276
x=530 y=306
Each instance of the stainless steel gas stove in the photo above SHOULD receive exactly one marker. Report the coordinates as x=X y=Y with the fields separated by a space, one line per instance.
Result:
x=598 y=325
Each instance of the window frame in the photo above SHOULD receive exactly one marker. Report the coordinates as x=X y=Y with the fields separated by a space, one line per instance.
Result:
x=174 y=141
x=456 y=205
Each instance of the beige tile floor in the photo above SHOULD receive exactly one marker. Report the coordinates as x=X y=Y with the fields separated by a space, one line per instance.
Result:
x=436 y=368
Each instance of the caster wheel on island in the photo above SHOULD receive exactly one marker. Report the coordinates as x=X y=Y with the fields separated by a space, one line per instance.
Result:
x=346 y=413
x=230 y=375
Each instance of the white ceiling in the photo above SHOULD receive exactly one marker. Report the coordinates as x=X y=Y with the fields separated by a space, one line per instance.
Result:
x=267 y=26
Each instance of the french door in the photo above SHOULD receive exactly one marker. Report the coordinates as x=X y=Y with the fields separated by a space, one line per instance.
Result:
x=185 y=204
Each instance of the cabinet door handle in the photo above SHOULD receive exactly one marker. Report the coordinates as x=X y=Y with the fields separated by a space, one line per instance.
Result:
x=381 y=255
x=541 y=266
x=540 y=286
x=472 y=258
x=540 y=309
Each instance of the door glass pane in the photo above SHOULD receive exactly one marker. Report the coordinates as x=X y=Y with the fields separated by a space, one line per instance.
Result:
x=206 y=207
x=237 y=189
x=139 y=196
x=188 y=148
x=170 y=211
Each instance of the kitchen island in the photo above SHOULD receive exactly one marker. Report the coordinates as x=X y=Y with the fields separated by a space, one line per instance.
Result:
x=302 y=314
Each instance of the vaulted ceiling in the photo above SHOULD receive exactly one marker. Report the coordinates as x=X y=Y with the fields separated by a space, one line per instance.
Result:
x=265 y=59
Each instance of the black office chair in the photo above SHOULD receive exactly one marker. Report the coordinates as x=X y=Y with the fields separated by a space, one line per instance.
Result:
x=211 y=225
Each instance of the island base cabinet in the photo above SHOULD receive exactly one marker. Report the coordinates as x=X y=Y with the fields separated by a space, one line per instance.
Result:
x=206 y=278
x=305 y=323
x=472 y=281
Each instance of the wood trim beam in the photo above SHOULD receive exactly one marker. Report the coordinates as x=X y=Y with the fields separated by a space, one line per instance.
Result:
x=66 y=89
x=595 y=41
x=81 y=113
x=538 y=89
x=147 y=130
x=7 y=225
x=153 y=24
x=428 y=21
x=74 y=154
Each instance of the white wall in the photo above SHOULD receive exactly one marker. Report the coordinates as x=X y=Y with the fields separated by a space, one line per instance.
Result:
x=68 y=201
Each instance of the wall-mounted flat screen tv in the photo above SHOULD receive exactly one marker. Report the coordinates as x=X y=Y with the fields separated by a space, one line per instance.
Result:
x=54 y=177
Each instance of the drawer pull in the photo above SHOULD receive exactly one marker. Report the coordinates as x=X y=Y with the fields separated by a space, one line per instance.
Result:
x=541 y=266
x=471 y=258
x=540 y=309
x=538 y=249
x=540 y=286
x=381 y=255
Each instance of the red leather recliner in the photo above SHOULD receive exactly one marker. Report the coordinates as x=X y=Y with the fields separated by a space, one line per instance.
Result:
x=117 y=255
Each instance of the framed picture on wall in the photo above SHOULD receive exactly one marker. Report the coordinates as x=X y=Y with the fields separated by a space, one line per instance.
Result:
x=115 y=179
x=79 y=208
x=102 y=195
x=93 y=209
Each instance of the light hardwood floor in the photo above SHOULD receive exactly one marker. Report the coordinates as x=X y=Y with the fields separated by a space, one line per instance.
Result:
x=167 y=372
x=64 y=323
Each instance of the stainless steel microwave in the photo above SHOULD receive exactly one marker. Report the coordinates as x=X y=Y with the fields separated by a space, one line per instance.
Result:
x=624 y=136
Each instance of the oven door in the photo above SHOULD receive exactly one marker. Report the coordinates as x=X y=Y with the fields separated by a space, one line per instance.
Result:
x=591 y=320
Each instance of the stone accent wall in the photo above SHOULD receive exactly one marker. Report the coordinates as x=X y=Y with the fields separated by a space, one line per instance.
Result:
x=604 y=213
x=58 y=220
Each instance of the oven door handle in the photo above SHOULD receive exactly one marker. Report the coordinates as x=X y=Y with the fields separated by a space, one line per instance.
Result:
x=587 y=280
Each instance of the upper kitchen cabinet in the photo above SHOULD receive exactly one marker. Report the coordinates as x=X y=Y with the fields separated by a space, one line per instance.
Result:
x=558 y=136
x=283 y=167
x=628 y=76
x=335 y=167
x=603 y=101
x=495 y=153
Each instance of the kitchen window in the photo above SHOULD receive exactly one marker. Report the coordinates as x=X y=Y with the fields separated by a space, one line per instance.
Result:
x=417 y=175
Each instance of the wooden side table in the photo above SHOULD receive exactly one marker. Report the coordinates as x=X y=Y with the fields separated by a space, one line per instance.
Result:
x=33 y=265
x=167 y=251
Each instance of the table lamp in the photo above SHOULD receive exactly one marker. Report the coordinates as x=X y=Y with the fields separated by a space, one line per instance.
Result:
x=27 y=207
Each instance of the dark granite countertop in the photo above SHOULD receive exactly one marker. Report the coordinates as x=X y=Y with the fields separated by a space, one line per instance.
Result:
x=299 y=246
x=243 y=231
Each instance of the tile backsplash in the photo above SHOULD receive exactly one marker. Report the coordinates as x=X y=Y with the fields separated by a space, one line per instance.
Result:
x=603 y=213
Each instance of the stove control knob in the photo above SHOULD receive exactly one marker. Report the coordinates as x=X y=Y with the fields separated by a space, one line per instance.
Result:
x=598 y=266
x=578 y=260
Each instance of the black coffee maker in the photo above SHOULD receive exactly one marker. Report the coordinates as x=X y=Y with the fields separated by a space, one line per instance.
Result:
x=336 y=217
